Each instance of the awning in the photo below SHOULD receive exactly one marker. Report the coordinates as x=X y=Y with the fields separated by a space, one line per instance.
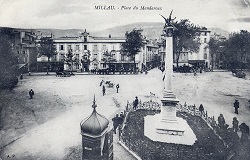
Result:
x=196 y=61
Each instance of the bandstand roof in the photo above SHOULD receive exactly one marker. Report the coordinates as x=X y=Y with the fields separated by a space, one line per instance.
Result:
x=95 y=124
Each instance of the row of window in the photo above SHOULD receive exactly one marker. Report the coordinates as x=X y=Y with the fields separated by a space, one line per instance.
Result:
x=70 y=47
x=85 y=47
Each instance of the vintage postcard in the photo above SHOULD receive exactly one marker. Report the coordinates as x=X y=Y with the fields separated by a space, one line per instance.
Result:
x=124 y=80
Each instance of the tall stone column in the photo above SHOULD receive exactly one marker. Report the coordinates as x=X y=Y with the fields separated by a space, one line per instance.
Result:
x=169 y=100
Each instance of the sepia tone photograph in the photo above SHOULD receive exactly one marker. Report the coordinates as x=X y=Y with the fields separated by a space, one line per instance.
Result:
x=124 y=80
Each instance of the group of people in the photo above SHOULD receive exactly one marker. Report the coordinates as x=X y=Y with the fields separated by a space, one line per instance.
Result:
x=104 y=88
x=244 y=128
x=236 y=106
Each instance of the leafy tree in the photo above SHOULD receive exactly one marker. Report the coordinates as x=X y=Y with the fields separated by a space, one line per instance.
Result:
x=133 y=44
x=186 y=38
x=8 y=60
x=214 y=48
x=69 y=59
x=237 y=49
x=108 y=58
x=47 y=48
x=86 y=61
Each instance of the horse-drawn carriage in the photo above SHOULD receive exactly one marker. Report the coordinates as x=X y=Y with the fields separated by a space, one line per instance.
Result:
x=238 y=73
x=108 y=84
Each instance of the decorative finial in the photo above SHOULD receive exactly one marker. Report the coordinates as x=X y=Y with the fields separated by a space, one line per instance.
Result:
x=94 y=105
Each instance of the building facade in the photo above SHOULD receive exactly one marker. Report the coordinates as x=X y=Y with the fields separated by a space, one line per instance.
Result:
x=24 y=45
x=150 y=54
x=201 y=58
x=95 y=53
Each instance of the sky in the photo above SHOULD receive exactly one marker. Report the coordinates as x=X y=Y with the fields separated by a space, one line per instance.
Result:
x=230 y=15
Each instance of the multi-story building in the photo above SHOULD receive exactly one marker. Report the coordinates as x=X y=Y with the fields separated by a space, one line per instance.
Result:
x=150 y=54
x=23 y=43
x=201 y=58
x=218 y=57
x=95 y=53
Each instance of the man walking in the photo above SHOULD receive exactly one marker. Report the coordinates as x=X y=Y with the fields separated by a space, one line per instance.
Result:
x=135 y=103
x=221 y=121
x=117 y=87
x=31 y=93
x=236 y=106
x=245 y=132
x=201 y=109
x=115 y=122
x=103 y=90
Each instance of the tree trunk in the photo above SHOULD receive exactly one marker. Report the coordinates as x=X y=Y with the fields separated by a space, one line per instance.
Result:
x=212 y=61
x=134 y=65
x=48 y=66
x=177 y=60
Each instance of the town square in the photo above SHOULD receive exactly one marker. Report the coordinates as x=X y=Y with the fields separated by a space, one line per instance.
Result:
x=170 y=86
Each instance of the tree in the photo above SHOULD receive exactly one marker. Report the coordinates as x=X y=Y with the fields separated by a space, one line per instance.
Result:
x=186 y=38
x=108 y=58
x=69 y=59
x=237 y=49
x=134 y=43
x=47 y=48
x=214 y=48
x=85 y=61
x=8 y=60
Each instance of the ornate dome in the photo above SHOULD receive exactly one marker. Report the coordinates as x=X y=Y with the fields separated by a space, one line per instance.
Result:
x=95 y=124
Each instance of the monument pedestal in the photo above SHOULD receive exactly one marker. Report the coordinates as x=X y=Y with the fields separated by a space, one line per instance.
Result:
x=167 y=122
x=177 y=133
x=166 y=127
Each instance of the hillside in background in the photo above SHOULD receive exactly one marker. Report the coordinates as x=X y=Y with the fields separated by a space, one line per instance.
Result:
x=151 y=30
x=219 y=31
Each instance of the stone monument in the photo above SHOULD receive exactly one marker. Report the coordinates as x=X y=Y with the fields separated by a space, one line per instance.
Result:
x=168 y=127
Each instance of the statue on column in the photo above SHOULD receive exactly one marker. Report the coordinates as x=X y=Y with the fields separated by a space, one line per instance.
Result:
x=169 y=27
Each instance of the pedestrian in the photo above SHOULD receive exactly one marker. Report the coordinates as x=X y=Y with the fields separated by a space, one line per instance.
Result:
x=31 y=93
x=201 y=109
x=21 y=76
x=122 y=116
x=245 y=132
x=236 y=106
x=135 y=103
x=101 y=82
x=103 y=90
x=115 y=122
x=119 y=130
x=221 y=121
x=195 y=73
x=117 y=87
x=235 y=124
